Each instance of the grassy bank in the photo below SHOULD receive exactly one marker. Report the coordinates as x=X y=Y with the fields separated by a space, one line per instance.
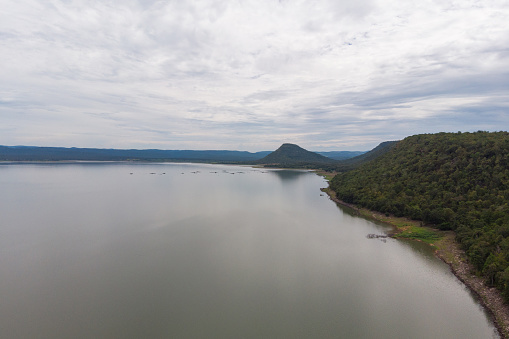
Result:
x=402 y=227
x=447 y=249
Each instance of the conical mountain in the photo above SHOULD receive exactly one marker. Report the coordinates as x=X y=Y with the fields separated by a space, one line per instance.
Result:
x=291 y=154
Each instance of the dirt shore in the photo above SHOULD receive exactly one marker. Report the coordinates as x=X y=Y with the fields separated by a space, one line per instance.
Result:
x=449 y=251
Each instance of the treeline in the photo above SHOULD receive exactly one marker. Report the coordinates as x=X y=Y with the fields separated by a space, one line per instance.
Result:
x=454 y=181
x=32 y=153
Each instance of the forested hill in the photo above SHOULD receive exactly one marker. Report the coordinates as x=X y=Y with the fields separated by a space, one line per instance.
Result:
x=291 y=155
x=457 y=181
x=354 y=162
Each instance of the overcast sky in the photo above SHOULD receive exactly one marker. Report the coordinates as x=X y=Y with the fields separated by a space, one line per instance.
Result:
x=250 y=75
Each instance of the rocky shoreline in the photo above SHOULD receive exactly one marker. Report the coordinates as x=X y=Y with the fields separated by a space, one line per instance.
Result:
x=449 y=251
x=489 y=297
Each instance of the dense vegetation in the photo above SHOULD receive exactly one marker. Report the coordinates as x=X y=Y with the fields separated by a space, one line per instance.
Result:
x=352 y=163
x=455 y=181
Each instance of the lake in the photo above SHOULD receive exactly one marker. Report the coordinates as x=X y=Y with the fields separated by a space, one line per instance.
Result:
x=125 y=250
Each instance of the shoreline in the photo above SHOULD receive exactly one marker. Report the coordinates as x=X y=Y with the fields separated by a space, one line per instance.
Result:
x=449 y=251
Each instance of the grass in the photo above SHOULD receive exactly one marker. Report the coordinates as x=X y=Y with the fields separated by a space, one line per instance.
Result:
x=445 y=247
x=327 y=175
x=405 y=228
x=424 y=234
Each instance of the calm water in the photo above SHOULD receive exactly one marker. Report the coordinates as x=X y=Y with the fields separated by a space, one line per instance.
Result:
x=93 y=251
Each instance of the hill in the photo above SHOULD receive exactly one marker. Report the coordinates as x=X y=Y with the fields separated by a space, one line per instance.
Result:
x=454 y=181
x=352 y=163
x=340 y=155
x=291 y=155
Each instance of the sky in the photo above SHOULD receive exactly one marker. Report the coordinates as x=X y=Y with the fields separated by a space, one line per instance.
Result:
x=250 y=75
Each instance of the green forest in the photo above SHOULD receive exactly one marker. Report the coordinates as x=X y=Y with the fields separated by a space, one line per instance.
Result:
x=452 y=181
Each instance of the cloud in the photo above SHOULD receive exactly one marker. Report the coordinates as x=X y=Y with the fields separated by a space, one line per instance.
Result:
x=231 y=74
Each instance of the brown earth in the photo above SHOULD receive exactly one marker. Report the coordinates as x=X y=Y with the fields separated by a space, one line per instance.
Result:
x=451 y=253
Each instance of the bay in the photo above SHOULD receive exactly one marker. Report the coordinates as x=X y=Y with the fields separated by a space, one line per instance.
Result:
x=124 y=250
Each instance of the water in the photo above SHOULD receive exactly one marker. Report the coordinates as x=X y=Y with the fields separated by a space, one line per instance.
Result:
x=90 y=250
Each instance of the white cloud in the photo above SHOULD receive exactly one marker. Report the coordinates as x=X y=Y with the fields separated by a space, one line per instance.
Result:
x=231 y=74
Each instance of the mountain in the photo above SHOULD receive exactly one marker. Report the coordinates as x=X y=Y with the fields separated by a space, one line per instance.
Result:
x=291 y=155
x=352 y=163
x=454 y=181
x=32 y=153
x=341 y=155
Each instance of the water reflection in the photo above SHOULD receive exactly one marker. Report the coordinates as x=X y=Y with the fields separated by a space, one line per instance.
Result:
x=289 y=175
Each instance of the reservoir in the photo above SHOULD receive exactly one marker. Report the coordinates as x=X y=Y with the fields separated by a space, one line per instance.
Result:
x=125 y=250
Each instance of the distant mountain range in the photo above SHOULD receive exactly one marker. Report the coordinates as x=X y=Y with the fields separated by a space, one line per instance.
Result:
x=293 y=156
x=31 y=153
x=34 y=153
x=341 y=155
x=354 y=162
